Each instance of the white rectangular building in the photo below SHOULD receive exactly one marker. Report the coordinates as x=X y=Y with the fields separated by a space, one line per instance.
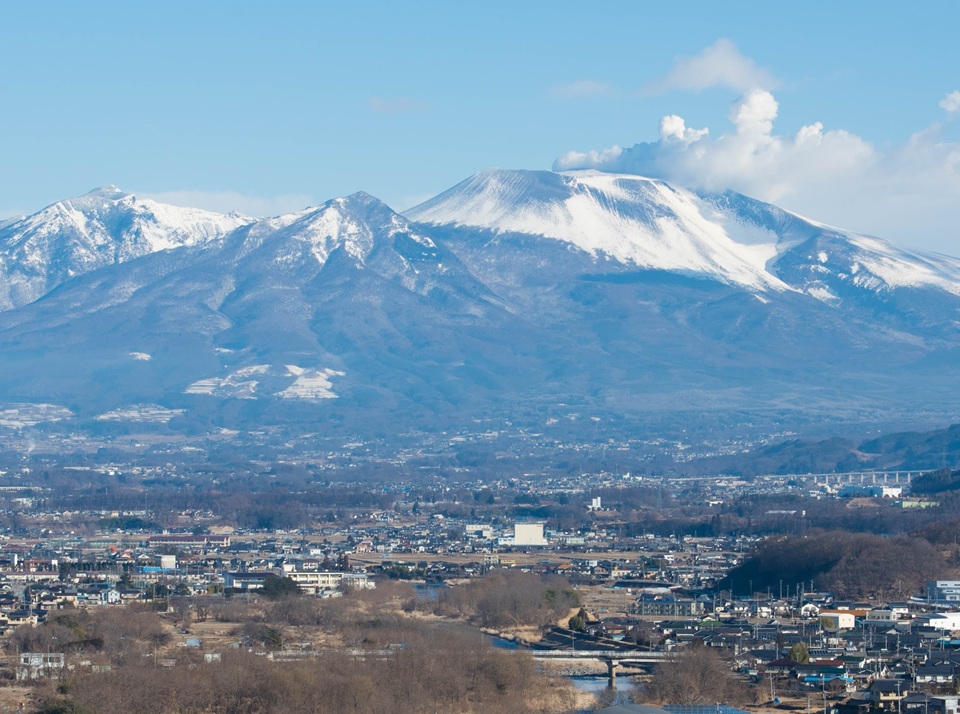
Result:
x=317 y=581
x=946 y=621
x=838 y=619
x=478 y=530
x=528 y=534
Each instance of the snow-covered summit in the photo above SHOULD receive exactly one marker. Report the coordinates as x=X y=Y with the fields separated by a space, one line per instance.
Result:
x=110 y=191
x=354 y=223
x=626 y=222
x=637 y=221
x=648 y=223
x=102 y=227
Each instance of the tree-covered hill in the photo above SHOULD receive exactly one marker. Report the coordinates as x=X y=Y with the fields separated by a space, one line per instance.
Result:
x=851 y=565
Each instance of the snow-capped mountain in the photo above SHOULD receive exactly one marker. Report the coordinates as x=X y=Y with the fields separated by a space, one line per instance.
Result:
x=649 y=224
x=637 y=221
x=102 y=227
x=509 y=294
x=346 y=298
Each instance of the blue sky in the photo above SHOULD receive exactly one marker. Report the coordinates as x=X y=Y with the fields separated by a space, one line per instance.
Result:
x=268 y=108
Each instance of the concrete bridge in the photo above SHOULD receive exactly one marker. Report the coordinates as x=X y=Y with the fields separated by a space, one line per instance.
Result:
x=866 y=478
x=613 y=659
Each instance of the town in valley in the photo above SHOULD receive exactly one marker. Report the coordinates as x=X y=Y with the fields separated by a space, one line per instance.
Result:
x=614 y=576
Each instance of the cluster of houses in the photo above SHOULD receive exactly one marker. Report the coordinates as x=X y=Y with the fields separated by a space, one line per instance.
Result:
x=118 y=566
x=844 y=657
x=858 y=657
x=36 y=579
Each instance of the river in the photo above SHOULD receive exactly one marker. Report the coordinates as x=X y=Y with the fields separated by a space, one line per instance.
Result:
x=592 y=684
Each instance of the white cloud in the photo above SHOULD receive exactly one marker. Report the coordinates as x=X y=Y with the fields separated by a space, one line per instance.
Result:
x=951 y=102
x=907 y=194
x=754 y=113
x=227 y=201
x=581 y=88
x=751 y=158
x=601 y=160
x=674 y=128
x=719 y=65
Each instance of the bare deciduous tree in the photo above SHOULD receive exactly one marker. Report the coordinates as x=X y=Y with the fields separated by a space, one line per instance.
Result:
x=696 y=676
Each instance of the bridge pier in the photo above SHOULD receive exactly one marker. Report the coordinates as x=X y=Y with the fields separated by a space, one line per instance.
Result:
x=612 y=673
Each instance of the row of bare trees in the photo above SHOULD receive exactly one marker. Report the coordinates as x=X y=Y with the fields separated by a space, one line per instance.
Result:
x=360 y=653
x=453 y=673
x=435 y=667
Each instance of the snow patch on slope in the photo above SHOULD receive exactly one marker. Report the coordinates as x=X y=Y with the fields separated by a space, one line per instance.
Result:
x=141 y=413
x=238 y=385
x=259 y=380
x=822 y=293
x=310 y=383
x=18 y=416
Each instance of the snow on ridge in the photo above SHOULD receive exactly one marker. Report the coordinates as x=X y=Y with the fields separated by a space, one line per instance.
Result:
x=633 y=220
x=352 y=223
x=890 y=265
x=901 y=268
x=190 y=225
x=110 y=191
x=320 y=231
x=103 y=227
x=873 y=264
x=104 y=219
x=156 y=226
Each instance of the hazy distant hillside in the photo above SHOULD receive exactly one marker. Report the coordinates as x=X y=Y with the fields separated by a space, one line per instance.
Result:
x=931 y=450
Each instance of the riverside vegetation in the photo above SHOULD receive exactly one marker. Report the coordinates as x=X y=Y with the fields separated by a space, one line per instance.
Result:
x=370 y=651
